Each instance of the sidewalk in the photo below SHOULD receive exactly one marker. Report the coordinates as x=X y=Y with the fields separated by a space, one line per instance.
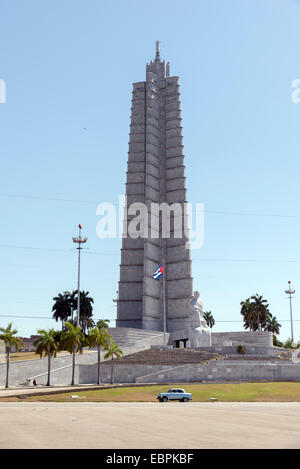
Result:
x=30 y=390
x=40 y=389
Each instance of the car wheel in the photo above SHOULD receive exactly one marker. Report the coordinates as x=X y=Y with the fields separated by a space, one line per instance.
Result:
x=164 y=399
x=185 y=399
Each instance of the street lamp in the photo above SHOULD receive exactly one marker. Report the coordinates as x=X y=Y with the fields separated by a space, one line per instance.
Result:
x=79 y=240
x=290 y=292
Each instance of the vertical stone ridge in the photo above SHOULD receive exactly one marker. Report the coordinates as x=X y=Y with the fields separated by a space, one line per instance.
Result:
x=130 y=304
x=156 y=174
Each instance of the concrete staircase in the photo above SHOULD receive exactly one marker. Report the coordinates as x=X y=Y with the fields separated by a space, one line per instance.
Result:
x=168 y=357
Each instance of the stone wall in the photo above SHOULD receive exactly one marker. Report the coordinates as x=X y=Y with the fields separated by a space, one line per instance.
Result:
x=264 y=338
x=2 y=351
x=250 y=350
x=20 y=371
x=86 y=371
x=216 y=370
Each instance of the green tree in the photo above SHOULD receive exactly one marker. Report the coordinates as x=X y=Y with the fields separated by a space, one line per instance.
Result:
x=113 y=350
x=256 y=314
x=260 y=310
x=86 y=310
x=71 y=340
x=9 y=339
x=288 y=343
x=209 y=319
x=103 y=323
x=72 y=299
x=248 y=315
x=62 y=307
x=98 y=338
x=272 y=325
x=276 y=342
x=47 y=346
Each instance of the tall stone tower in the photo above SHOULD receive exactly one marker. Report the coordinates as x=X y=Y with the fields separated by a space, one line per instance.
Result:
x=155 y=175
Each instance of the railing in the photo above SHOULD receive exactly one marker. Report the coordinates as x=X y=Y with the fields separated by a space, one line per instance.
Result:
x=51 y=371
x=150 y=337
x=161 y=371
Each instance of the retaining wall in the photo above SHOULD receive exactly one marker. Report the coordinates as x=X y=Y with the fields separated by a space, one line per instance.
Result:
x=20 y=371
x=263 y=338
x=250 y=350
x=216 y=370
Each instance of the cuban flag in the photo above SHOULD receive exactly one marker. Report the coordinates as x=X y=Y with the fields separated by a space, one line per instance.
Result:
x=159 y=272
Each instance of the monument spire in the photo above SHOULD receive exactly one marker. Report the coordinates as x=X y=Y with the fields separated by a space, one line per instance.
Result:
x=155 y=178
x=157 y=57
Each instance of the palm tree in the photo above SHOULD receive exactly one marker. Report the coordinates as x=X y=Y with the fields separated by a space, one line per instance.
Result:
x=47 y=346
x=272 y=325
x=209 y=319
x=89 y=323
x=255 y=312
x=113 y=350
x=260 y=310
x=62 y=307
x=98 y=338
x=86 y=310
x=103 y=323
x=7 y=335
x=72 y=301
x=71 y=340
x=247 y=313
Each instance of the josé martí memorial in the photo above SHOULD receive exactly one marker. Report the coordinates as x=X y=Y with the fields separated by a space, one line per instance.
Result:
x=160 y=325
x=160 y=322
x=156 y=181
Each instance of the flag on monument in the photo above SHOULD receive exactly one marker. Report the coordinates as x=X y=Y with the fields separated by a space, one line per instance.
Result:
x=159 y=272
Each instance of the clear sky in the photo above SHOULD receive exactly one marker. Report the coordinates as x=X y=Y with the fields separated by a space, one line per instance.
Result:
x=69 y=67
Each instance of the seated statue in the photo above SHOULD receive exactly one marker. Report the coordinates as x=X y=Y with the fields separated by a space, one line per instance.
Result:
x=199 y=333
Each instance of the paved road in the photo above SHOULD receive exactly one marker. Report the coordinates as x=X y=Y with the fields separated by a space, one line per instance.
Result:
x=149 y=425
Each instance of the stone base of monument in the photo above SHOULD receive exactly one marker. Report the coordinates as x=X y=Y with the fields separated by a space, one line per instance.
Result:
x=191 y=338
x=197 y=333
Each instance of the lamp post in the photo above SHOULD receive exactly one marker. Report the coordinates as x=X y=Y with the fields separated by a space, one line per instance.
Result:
x=290 y=292
x=79 y=240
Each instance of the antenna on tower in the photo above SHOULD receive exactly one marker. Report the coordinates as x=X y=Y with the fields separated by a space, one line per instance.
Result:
x=157 y=57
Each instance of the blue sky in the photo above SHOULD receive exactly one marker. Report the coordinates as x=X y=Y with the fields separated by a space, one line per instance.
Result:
x=69 y=68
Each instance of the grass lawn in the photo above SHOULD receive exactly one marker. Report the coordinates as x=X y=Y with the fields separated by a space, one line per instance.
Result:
x=18 y=356
x=225 y=392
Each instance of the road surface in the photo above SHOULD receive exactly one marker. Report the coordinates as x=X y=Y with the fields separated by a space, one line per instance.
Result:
x=149 y=425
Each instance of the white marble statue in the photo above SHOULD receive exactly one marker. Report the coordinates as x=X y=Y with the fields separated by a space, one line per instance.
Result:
x=199 y=333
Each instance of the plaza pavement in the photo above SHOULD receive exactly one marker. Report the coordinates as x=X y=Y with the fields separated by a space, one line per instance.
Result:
x=149 y=425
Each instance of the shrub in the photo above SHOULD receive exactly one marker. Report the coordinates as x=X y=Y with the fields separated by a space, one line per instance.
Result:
x=276 y=342
x=241 y=349
x=288 y=343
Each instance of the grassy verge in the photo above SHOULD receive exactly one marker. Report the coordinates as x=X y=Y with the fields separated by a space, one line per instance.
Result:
x=18 y=356
x=224 y=392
